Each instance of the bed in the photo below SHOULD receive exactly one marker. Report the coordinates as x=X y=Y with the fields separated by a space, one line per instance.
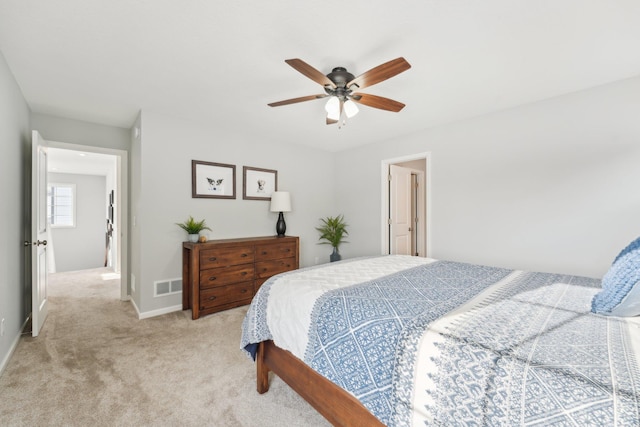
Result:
x=408 y=341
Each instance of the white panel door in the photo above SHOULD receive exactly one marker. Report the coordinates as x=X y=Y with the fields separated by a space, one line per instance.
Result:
x=400 y=210
x=39 y=229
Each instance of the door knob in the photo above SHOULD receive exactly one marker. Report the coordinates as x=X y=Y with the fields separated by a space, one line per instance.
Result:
x=36 y=243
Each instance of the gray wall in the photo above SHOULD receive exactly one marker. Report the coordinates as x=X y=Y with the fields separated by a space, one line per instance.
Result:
x=70 y=131
x=161 y=194
x=15 y=142
x=83 y=246
x=550 y=186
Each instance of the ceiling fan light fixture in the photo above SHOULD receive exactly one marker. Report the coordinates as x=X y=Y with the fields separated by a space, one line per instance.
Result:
x=333 y=108
x=350 y=108
x=339 y=85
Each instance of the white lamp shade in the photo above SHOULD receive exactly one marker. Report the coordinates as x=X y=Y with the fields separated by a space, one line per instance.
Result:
x=350 y=108
x=280 y=201
x=333 y=108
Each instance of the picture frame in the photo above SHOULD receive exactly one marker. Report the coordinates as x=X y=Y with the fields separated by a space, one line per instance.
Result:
x=258 y=183
x=213 y=180
x=111 y=203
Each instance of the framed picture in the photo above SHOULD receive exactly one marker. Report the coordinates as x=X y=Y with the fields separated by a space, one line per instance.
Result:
x=213 y=180
x=258 y=184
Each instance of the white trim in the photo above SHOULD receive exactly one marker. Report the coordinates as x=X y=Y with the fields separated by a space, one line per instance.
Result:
x=158 y=312
x=420 y=181
x=122 y=215
x=135 y=307
x=384 y=174
x=12 y=349
x=154 y=313
x=428 y=192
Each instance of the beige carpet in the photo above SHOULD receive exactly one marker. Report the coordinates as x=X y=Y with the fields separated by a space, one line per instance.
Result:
x=95 y=363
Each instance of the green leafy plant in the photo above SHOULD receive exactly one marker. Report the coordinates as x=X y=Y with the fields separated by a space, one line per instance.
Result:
x=191 y=226
x=333 y=230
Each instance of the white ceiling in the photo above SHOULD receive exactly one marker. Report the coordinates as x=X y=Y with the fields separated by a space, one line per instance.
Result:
x=221 y=62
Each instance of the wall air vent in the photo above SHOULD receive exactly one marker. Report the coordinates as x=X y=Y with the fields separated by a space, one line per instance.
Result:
x=166 y=287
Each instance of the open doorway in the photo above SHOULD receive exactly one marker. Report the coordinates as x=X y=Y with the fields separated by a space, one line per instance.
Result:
x=405 y=205
x=93 y=234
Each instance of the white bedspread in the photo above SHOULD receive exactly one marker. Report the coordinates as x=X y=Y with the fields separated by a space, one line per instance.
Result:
x=310 y=284
x=425 y=342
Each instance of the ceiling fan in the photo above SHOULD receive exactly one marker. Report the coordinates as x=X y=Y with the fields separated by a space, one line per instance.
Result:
x=340 y=85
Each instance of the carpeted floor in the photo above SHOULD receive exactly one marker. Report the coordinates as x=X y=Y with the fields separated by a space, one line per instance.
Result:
x=96 y=364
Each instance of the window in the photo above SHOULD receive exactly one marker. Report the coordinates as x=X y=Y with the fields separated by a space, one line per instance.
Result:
x=61 y=205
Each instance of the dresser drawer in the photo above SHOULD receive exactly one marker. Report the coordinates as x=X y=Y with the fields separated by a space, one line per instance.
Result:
x=222 y=257
x=225 y=275
x=222 y=274
x=275 y=250
x=223 y=295
x=269 y=268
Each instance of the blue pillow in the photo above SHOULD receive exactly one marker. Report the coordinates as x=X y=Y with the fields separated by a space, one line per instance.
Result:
x=620 y=294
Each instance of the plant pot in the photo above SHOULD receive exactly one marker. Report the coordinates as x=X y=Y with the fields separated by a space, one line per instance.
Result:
x=193 y=238
x=335 y=255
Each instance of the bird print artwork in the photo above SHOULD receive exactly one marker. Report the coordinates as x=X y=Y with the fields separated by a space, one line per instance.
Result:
x=215 y=185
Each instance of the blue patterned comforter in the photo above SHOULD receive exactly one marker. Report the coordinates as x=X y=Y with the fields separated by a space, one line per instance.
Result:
x=524 y=348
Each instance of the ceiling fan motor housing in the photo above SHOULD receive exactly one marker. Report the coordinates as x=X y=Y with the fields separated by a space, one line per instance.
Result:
x=340 y=76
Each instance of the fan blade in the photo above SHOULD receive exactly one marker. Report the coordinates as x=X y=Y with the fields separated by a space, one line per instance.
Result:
x=310 y=72
x=331 y=121
x=296 y=100
x=377 y=102
x=380 y=73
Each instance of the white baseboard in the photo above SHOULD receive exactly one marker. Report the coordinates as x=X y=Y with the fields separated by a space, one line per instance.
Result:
x=12 y=349
x=154 y=313
x=133 y=302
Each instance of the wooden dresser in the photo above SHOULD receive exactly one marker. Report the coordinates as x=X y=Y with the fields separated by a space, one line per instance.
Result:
x=222 y=274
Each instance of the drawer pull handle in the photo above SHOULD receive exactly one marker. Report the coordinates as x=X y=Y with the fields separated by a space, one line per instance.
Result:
x=264 y=252
x=212 y=298
x=212 y=258
x=244 y=255
x=244 y=291
x=244 y=273
x=212 y=278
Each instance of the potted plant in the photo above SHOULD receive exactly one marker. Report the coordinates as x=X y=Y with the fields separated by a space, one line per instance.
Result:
x=333 y=230
x=193 y=228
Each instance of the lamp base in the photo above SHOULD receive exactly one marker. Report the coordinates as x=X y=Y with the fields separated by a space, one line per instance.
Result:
x=281 y=227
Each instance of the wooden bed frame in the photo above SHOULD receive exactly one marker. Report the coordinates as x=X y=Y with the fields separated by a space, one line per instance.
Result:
x=338 y=406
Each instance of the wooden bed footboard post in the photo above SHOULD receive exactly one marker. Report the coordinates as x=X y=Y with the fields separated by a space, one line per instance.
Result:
x=262 y=370
x=338 y=406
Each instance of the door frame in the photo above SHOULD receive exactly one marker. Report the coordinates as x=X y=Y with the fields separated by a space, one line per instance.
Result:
x=384 y=197
x=122 y=205
x=419 y=204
